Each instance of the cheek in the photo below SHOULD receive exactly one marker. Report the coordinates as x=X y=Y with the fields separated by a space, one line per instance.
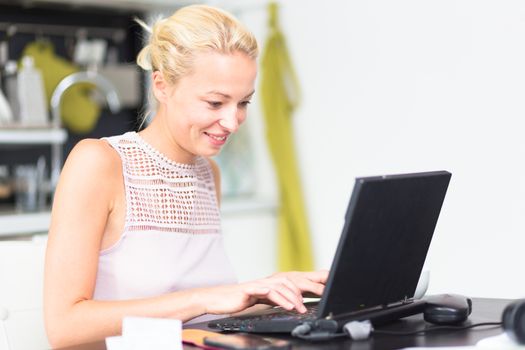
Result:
x=189 y=116
x=205 y=117
x=242 y=116
x=199 y=119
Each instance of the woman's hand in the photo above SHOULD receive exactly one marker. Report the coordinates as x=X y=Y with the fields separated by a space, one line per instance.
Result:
x=283 y=289
x=310 y=283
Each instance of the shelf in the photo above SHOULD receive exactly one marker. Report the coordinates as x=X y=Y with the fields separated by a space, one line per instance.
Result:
x=24 y=223
x=13 y=224
x=32 y=136
x=234 y=206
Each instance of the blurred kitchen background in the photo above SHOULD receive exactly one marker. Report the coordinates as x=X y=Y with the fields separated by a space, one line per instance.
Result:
x=40 y=45
x=387 y=87
x=83 y=45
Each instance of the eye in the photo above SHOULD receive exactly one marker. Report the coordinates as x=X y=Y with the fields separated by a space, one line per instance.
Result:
x=214 y=104
x=244 y=104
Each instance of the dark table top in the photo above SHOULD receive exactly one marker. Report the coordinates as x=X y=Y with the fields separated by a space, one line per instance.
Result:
x=484 y=310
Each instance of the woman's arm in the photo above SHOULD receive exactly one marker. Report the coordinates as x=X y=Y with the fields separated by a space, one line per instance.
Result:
x=84 y=200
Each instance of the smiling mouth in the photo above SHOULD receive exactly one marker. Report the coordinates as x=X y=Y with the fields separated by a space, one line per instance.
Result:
x=216 y=137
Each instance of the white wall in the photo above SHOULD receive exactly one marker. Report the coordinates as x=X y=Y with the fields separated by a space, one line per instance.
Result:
x=403 y=86
x=416 y=85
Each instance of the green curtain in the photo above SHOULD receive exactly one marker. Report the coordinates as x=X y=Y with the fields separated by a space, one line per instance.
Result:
x=280 y=95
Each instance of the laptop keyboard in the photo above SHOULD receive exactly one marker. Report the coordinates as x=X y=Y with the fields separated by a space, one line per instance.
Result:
x=249 y=323
x=311 y=312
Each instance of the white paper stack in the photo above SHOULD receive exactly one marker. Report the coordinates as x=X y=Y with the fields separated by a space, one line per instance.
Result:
x=139 y=333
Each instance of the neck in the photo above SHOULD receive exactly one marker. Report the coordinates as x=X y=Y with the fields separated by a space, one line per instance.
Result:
x=159 y=135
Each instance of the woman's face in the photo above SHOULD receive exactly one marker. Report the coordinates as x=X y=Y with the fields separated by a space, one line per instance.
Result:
x=208 y=105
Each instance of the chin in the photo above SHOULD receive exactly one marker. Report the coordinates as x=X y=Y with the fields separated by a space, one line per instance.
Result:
x=209 y=152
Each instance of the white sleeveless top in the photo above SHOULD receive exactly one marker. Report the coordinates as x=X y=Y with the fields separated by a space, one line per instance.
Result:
x=172 y=236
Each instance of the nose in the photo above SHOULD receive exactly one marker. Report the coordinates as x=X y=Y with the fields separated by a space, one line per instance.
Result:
x=230 y=120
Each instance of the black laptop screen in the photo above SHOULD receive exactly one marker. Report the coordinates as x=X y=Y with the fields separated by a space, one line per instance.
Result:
x=388 y=229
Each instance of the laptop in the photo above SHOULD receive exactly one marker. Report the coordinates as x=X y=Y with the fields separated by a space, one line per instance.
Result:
x=388 y=228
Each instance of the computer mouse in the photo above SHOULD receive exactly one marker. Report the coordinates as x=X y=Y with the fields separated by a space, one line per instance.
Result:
x=447 y=309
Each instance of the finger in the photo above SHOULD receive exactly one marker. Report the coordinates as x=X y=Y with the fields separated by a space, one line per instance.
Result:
x=278 y=299
x=307 y=286
x=288 y=290
x=319 y=276
x=293 y=287
x=285 y=289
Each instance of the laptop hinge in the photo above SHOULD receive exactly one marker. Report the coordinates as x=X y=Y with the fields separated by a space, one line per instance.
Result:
x=331 y=315
x=382 y=315
x=404 y=301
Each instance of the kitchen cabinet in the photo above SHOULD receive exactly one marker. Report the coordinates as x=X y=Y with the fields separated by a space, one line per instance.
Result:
x=24 y=224
x=12 y=222
x=59 y=28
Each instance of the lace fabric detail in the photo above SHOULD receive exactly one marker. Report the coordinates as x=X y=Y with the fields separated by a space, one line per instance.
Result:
x=163 y=195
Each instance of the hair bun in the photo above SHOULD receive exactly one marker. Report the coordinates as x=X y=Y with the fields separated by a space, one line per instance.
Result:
x=144 y=58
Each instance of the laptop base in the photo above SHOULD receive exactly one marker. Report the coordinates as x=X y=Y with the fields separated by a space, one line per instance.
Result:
x=256 y=323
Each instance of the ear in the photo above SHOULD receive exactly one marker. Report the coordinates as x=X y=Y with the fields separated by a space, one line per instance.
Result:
x=160 y=87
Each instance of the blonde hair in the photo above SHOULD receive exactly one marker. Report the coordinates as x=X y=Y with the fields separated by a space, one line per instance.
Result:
x=176 y=40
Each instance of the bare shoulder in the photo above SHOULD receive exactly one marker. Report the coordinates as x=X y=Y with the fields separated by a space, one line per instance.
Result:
x=93 y=155
x=92 y=170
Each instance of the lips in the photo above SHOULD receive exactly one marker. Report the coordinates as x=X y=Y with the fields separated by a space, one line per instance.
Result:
x=217 y=139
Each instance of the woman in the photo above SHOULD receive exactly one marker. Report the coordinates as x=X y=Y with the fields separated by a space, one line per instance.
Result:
x=135 y=225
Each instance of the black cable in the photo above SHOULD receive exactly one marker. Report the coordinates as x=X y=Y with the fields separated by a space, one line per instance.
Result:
x=326 y=336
